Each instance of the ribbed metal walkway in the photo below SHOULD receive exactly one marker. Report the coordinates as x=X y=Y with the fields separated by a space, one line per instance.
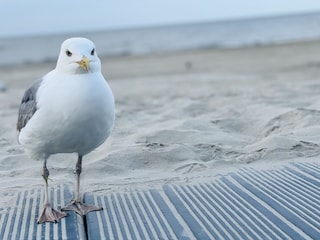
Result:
x=247 y=204
x=20 y=221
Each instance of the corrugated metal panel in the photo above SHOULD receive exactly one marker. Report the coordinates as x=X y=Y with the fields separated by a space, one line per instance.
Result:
x=20 y=222
x=247 y=204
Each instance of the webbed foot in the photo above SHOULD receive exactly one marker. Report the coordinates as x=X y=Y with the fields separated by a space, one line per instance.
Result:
x=80 y=208
x=50 y=215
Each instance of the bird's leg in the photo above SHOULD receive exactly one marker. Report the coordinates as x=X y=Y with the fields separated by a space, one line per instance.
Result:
x=48 y=214
x=78 y=171
x=76 y=204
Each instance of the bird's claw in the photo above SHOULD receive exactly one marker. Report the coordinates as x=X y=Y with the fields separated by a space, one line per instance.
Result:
x=50 y=215
x=81 y=208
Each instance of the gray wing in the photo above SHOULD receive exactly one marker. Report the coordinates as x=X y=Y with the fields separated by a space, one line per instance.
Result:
x=28 y=105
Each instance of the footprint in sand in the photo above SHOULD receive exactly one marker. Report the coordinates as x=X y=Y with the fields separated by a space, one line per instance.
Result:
x=4 y=142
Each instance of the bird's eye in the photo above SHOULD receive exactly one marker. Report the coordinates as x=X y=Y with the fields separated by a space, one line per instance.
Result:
x=92 y=52
x=69 y=54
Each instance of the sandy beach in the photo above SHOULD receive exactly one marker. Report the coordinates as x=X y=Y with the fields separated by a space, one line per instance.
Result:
x=182 y=117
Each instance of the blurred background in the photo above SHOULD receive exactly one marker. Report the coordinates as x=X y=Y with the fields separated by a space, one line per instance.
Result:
x=31 y=31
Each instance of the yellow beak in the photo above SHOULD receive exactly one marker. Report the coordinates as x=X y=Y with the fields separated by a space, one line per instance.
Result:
x=84 y=63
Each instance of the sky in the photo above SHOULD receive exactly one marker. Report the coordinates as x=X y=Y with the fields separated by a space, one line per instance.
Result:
x=37 y=17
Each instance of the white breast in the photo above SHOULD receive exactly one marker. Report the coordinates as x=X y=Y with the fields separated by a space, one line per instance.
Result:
x=75 y=114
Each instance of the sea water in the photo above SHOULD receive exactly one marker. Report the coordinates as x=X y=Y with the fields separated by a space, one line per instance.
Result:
x=148 y=40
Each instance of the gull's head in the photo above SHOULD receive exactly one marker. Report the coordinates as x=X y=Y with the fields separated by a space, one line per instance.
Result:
x=78 y=55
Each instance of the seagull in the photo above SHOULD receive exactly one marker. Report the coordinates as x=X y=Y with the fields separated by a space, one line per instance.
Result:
x=69 y=110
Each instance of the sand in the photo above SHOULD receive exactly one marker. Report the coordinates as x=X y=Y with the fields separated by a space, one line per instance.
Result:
x=182 y=117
